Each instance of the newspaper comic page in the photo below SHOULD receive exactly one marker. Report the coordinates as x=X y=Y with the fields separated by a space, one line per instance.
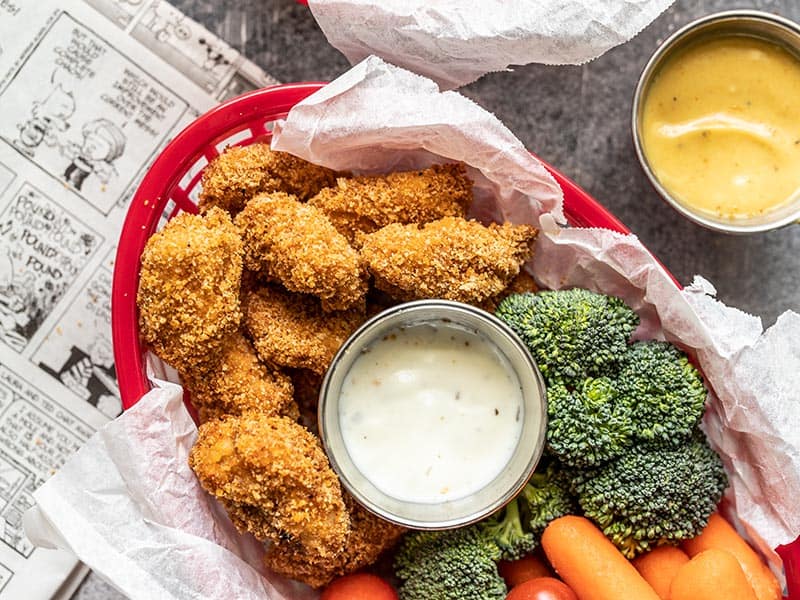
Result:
x=90 y=92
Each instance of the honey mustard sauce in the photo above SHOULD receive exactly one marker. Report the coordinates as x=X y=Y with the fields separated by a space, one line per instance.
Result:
x=721 y=127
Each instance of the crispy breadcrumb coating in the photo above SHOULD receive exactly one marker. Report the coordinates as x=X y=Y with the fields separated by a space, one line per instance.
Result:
x=237 y=381
x=451 y=258
x=370 y=536
x=291 y=330
x=296 y=245
x=307 y=385
x=521 y=283
x=239 y=173
x=188 y=294
x=274 y=479
x=365 y=204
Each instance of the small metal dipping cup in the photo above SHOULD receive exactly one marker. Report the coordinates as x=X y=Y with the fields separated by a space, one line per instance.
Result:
x=751 y=23
x=518 y=469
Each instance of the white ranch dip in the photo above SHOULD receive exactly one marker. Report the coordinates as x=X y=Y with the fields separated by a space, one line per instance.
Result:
x=431 y=413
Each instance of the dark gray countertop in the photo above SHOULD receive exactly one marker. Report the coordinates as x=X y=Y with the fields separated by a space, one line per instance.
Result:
x=575 y=118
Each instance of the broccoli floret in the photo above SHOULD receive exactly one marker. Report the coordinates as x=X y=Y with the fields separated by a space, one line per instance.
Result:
x=457 y=564
x=663 y=389
x=517 y=528
x=546 y=497
x=571 y=333
x=508 y=532
x=653 y=495
x=587 y=425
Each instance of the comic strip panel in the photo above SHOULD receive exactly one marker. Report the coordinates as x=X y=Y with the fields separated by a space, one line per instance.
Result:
x=191 y=48
x=36 y=438
x=119 y=12
x=51 y=109
x=78 y=350
x=42 y=249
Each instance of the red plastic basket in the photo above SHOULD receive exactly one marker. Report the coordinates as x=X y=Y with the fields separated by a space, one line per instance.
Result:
x=171 y=185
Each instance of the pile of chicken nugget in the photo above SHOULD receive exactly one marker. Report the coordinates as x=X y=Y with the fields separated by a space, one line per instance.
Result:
x=251 y=298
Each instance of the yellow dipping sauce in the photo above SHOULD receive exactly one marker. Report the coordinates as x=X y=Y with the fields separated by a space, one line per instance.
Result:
x=720 y=127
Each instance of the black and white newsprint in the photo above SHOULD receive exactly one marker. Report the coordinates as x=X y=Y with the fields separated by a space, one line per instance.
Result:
x=90 y=92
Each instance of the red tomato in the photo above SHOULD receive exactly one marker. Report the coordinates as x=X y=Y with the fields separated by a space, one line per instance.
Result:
x=516 y=571
x=358 y=586
x=542 y=588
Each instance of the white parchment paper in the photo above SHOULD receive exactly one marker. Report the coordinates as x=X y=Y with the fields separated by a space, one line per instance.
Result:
x=129 y=506
x=454 y=42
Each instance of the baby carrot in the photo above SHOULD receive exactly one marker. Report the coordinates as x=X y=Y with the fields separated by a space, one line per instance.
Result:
x=711 y=575
x=590 y=564
x=721 y=535
x=658 y=567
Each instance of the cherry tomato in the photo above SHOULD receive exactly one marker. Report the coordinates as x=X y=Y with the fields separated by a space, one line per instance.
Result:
x=542 y=588
x=516 y=571
x=358 y=586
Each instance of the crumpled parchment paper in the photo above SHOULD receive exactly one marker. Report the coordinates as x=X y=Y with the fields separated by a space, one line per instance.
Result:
x=454 y=42
x=129 y=506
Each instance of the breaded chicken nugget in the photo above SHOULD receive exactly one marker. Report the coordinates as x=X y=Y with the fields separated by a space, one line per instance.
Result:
x=237 y=381
x=450 y=258
x=239 y=173
x=521 y=283
x=365 y=204
x=296 y=245
x=291 y=330
x=188 y=294
x=370 y=536
x=274 y=479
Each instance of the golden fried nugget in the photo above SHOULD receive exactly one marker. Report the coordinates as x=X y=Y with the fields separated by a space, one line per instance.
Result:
x=188 y=294
x=291 y=330
x=365 y=204
x=237 y=381
x=239 y=173
x=370 y=536
x=274 y=479
x=521 y=283
x=451 y=258
x=296 y=245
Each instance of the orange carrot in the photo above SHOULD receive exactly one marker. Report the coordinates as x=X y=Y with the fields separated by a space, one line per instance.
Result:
x=658 y=567
x=590 y=564
x=711 y=575
x=528 y=567
x=721 y=535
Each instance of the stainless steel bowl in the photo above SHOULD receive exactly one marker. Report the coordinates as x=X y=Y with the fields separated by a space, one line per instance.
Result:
x=517 y=471
x=766 y=26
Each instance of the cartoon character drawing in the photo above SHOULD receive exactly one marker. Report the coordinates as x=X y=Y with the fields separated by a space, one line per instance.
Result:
x=47 y=117
x=14 y=309
x=91 y=375
x=168 y=25
x=103 y=143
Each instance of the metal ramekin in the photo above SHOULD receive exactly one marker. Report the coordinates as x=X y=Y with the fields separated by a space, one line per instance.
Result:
x=766 y=26
x=518 y=470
